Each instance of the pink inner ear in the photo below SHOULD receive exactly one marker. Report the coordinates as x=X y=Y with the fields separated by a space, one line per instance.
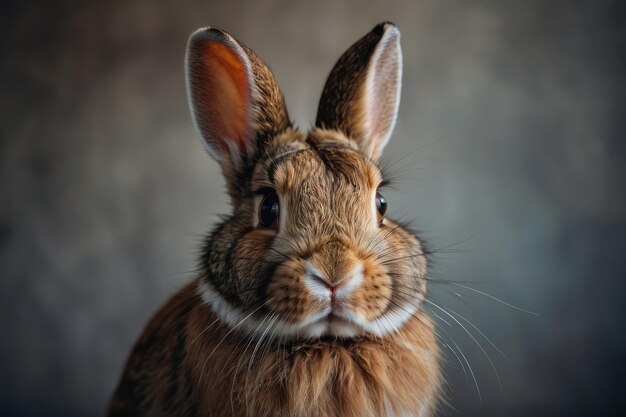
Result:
x=382 y=95
x=225 y=104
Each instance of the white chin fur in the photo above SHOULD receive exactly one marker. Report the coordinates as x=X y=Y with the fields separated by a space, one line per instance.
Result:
x=314 y=327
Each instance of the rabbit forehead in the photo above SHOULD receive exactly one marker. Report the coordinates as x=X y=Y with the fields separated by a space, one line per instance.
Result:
x=292 y=157
x=322 y=178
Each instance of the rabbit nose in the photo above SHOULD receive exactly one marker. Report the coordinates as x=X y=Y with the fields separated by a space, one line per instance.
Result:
x=332 y=286
x=325 y=281
x=338 y=289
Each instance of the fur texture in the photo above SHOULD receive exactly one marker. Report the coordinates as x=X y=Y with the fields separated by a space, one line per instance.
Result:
x=318 y=313
x=190 y=363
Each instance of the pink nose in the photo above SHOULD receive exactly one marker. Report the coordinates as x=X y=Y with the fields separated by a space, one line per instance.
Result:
x=323 y=286
x=332 y=286
x=327 y=283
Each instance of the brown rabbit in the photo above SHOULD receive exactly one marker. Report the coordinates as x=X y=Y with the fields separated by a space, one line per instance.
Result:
x=309 y=301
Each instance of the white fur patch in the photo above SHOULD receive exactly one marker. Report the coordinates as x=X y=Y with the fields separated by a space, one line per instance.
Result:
x=310 y=328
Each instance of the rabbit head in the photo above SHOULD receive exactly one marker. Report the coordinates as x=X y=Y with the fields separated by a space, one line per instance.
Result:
x=307 y=251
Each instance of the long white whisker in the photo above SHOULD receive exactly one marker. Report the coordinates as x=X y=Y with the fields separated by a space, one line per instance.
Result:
x=453 y=351
x=441 y=318
x=471 y=336
x=227 y=334
x=250 y=340
x=273 y=317
x=479 y=331
x=271 y=320
x=493 y=298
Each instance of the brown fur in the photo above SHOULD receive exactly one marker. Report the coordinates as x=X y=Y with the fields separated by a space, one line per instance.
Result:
x=360 y=378
x=236 y=342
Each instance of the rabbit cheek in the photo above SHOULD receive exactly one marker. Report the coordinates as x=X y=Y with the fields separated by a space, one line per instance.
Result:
x=372 y=298
x=287 y=295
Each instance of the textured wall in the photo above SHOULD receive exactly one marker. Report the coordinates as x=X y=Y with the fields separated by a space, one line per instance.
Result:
x=511 y=125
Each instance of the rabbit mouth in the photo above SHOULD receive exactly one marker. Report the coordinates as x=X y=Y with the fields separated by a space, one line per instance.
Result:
x=345 y=324
x=332 y=324
x=334 y=321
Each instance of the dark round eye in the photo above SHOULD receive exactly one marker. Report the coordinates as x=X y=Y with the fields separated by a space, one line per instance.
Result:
x=381 y=207
x=269 y=210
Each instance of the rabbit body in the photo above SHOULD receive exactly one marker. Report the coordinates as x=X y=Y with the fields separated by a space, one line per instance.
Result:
x=175 y=371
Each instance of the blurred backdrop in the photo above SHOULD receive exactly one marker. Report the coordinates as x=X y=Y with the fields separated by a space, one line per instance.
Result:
x=509 y=149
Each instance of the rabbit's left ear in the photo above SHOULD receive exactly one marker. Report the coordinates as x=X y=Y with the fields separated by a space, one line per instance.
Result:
x=362 y=94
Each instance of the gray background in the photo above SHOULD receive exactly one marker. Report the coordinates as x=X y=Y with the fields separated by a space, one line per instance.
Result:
x=511 y=125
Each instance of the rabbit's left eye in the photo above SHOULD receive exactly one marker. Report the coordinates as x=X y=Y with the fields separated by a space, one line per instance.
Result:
x=381 y=207
x=269 y=210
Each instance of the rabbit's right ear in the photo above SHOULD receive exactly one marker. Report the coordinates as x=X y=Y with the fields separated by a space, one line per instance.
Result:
x=234 y=99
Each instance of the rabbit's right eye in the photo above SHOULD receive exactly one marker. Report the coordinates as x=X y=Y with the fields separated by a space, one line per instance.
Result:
x=269 y=210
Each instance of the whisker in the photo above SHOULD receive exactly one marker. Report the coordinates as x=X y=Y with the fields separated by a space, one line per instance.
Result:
x=480 y=397
x=281 y=254
x=271 y=320
x=430 y=278
x=479 y=331
x=389 y=261
x=441 y=318
x=457 y=283
x=239 y=363
x=381 y=239
x=227 y=334
x=271 y=323
x=227 y=361
x=187 y=314
x=471 y=336
x=293 y=243
x=494 y=298
x=204 y=330
x=454 y=352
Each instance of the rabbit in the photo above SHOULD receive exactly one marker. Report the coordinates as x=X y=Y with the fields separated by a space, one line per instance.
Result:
x=309 y=300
